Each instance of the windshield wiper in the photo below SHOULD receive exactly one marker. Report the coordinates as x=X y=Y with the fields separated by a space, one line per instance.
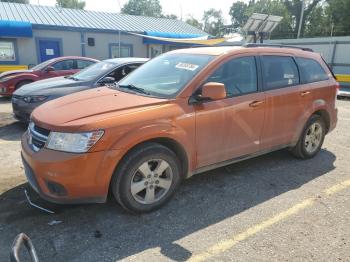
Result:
x=135 y=88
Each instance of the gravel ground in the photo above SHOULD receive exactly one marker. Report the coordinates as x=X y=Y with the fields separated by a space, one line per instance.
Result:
x=257 y=207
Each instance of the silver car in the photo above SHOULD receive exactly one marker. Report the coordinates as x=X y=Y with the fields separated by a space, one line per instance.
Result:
x=30 y=96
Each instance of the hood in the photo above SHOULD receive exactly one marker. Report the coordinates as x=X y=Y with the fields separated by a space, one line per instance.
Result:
x=90 y=106
x=43 y=87
x=14 y=72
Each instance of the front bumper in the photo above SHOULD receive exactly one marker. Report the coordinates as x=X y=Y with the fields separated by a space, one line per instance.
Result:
x=22 y=110
x=70 y=178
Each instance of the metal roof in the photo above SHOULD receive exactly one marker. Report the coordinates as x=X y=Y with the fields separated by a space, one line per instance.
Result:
x=45 y=16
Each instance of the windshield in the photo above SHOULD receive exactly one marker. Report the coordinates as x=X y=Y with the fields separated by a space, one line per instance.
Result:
x=166 y=75
x=42 y=65
x=94 y=71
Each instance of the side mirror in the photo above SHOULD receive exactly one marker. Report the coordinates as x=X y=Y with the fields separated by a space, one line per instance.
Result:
x=107 y=80
x=214 y=91
x=210 y=92
x=50 y=69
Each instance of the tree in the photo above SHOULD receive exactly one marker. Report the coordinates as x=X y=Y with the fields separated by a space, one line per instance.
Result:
x=294 y=8
x=318 y=23
x=238 y=13
x=213 y=22
x=75 y=4
x=16 y=1
x=143 y=8
x=194 y=22
x=338 y=11
x=171 y=16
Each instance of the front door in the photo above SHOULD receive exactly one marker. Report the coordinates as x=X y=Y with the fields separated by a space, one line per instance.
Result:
x=49 y=49
x=231 y=127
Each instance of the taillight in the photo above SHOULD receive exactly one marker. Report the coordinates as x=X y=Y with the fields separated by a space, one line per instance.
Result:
x=337 y=86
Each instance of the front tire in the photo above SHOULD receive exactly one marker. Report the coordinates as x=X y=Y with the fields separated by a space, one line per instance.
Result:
x=311 y=139
x=146 y=178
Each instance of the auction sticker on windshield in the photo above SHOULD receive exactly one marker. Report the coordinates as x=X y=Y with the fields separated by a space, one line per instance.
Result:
x=186 y=66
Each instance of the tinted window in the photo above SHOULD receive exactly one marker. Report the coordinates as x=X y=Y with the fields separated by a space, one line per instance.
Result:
x=120 y=72
x=310 y=70
x=81 y=64
x=64 y=65
x=238 y=75
x=279 y=71
x=95 y=71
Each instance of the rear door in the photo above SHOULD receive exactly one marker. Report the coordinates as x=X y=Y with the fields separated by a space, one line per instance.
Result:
x=284 y=106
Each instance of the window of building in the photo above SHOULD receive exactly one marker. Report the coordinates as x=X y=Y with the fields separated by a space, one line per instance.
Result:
x=7 y=51
x=238 y=75
x=279 y=71
x=310 y=70
x=125 y=50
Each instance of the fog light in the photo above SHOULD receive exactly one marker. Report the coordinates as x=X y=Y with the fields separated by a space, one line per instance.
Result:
x=56 y=189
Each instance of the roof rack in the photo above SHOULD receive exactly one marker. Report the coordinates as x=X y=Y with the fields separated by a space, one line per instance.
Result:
x=280 y=46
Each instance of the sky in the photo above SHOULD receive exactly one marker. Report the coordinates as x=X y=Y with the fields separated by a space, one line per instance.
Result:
x=177 y=7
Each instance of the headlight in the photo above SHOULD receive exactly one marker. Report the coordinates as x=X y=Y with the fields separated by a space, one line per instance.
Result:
x=34 y=99
x=73 y=142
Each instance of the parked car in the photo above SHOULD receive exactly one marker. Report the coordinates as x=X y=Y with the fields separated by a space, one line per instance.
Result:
x=61 y=66
x=182 y=113
x=344 y=91
x=28 y=97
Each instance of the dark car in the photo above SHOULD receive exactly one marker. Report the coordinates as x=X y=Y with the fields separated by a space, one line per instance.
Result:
x=61 y=66
x=28 y=97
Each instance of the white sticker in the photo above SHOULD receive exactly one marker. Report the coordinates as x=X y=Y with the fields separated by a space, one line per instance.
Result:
x=186 y=66
x=49 y=52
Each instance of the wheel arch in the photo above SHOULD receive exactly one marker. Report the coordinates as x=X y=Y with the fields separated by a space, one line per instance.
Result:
x=168 y=142
x=28 y=80
x=325 y=116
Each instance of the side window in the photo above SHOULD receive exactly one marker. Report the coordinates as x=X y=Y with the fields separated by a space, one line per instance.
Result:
x=81 y=64
x=64 y=65
x=238 y=75
x=279 y=71
x=123 y=71
x=310 y=70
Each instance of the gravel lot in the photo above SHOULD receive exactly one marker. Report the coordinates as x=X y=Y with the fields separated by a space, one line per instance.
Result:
x=271 y=208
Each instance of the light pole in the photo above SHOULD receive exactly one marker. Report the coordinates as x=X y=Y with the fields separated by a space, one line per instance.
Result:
x=301 y=17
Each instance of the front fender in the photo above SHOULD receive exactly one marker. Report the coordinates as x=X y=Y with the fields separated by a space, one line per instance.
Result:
x=163 y=130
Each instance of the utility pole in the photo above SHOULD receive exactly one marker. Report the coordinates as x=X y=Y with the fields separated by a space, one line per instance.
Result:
x=301 y=17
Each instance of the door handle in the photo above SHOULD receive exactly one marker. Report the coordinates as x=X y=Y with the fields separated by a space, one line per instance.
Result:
x=256 y=103
x=305 y=93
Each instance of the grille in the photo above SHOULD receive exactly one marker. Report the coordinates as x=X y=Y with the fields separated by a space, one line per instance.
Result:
x=37 y=136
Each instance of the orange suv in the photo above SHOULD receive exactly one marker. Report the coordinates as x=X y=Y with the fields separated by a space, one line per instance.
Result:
x=182 y=113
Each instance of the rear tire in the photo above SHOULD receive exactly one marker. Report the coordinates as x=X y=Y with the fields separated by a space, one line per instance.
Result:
x=146 y=178
x=311 y=139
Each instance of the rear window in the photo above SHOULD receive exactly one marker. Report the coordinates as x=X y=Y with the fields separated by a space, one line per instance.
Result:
x=279 y=71
x=310 y=71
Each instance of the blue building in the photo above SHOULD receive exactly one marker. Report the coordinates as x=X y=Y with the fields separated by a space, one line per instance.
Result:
x=30 y=34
